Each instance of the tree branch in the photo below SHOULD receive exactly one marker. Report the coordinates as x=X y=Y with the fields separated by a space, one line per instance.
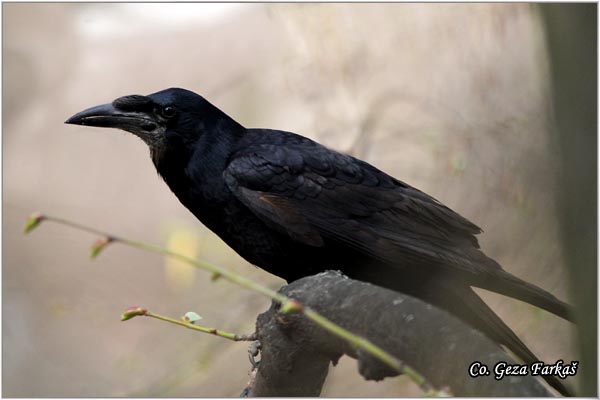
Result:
x=296 y=352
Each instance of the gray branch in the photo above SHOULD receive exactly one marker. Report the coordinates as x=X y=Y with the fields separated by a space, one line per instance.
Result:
x=296 y=353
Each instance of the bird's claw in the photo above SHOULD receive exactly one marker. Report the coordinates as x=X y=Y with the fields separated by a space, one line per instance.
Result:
x=253 y=351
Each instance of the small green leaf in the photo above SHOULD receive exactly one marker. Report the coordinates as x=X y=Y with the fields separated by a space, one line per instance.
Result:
x=191 y=317
x=33 y=221
x=99 y=245
x=133 y=311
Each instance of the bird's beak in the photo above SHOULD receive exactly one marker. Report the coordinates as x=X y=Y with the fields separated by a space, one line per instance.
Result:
x=107 y=116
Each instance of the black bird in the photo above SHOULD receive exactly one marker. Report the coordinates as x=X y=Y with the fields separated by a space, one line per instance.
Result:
x=295 y=208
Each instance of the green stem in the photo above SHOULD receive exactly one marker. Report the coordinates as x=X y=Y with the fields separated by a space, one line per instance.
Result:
x=216 y=270
x=227 y=335
x=286 y=303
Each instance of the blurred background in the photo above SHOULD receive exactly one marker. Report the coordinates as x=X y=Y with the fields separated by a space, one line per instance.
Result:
x=451 y=98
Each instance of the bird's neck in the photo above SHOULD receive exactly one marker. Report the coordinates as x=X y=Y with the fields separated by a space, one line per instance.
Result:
x=200 y=165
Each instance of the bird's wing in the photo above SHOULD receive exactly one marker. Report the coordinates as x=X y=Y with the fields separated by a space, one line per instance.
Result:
x=313 y=193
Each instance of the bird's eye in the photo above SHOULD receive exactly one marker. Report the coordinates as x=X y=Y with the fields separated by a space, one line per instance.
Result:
x=168 y=112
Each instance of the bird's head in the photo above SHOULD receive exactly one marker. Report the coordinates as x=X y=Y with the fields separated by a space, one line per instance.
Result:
x=171 y=117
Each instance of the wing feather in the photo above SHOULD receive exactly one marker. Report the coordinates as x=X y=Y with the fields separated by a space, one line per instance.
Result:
x=316 y=194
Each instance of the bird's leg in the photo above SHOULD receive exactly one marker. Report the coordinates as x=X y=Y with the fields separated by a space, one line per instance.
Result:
x=253 y=351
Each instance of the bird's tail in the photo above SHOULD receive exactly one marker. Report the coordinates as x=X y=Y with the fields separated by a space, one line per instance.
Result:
x=507 y=284
x=478 y=314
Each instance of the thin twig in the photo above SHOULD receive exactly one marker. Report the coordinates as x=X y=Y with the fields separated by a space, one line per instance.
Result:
x=137 y=311
x=287 y=304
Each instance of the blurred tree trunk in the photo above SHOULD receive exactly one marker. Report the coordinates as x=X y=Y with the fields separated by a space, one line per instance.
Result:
x=571 y=31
